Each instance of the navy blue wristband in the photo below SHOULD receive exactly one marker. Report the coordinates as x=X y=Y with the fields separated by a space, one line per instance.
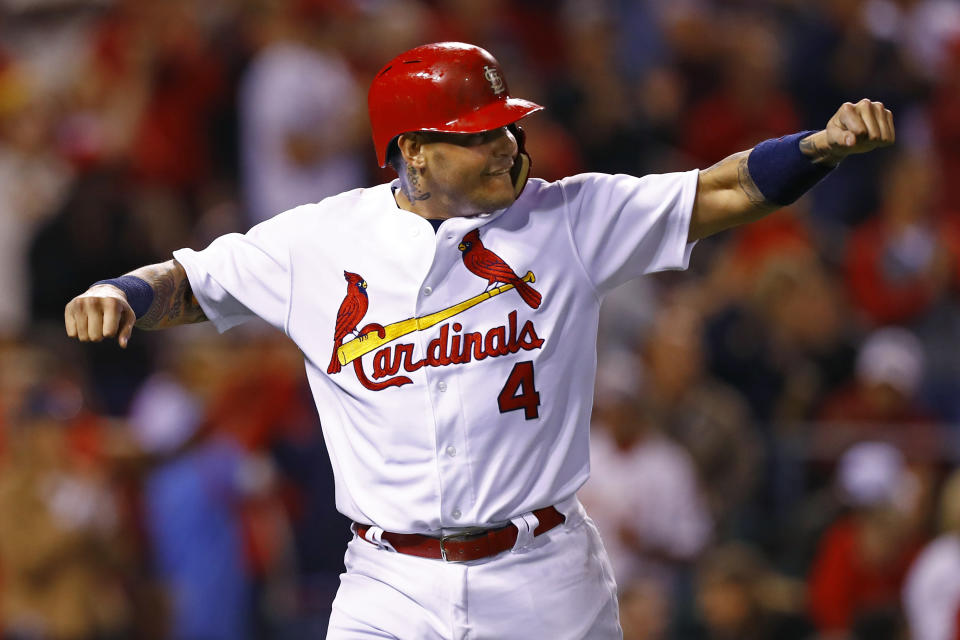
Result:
x=781 y=171
x=138 y=291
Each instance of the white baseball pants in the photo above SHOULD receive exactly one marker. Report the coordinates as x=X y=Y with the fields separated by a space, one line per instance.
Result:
x=558 y=585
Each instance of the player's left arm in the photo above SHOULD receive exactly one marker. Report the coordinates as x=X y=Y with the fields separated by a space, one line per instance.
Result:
x=741 y=189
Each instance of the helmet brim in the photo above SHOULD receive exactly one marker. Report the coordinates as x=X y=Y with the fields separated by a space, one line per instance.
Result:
x=491 y=116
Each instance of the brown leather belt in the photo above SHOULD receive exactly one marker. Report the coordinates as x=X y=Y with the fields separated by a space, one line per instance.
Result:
x=466 y=547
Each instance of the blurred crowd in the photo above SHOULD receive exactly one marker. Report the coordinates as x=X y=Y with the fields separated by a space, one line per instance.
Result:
x=776 y=437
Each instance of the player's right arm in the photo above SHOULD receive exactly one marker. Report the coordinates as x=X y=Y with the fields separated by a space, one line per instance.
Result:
x=103 y=310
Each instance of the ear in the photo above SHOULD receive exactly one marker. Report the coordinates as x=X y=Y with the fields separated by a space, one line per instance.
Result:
x=411 y=148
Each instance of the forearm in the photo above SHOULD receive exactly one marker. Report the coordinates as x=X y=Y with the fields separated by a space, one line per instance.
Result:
x=750 y=184
x=726 y=197
x=152 y=297
x=173 y=300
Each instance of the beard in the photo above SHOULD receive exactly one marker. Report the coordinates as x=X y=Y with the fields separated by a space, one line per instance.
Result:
x=495 y=192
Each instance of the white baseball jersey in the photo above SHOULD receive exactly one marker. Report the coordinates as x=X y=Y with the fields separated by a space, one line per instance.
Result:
x=466 y=399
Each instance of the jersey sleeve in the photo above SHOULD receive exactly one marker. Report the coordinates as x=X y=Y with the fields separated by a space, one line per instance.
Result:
x=240 y=276
x=624 y=227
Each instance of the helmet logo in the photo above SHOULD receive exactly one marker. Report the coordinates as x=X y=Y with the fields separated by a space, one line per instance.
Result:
x=495 y=79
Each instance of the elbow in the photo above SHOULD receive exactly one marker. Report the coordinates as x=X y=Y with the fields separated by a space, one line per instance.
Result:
x=724 y=210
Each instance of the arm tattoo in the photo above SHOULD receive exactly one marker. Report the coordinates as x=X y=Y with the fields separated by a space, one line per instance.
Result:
x=808 y=148
x=747 y=185
x=173 y=300
x=818 y=155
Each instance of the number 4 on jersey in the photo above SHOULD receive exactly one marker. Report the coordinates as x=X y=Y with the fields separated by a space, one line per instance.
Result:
x=519 y=393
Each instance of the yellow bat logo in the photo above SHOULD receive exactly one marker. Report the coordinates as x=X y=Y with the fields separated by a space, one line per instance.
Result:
x=353 y=349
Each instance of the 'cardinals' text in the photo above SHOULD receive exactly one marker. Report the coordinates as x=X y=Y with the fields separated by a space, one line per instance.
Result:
x=452 y=346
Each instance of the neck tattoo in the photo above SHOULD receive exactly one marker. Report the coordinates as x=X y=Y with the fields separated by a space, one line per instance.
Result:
x=413 y=192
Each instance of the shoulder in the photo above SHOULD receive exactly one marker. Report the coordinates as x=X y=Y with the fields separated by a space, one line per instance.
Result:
x=588 y=184
x=361 y=196
x=343 y=206
x=540 y=193
x=540 y=186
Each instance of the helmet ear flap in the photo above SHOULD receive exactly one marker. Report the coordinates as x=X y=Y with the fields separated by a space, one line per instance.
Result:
x=522 y=163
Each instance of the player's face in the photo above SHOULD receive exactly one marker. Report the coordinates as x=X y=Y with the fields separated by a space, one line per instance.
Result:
x=467 y=174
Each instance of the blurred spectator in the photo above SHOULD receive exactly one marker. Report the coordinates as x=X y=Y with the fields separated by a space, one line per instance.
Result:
x=690 y=30
x=106 y=86
x=386 y=28
x=705 y=416
x=96 y=232
x=64 y=556
x=943 y=108
x=497 y=25
x=748 y=105
x=191 y=512
x=881 y=402
x=939 y=332
x=898 y=263
x=835 y=58
x=641 y=45
x=161 y=50
x=645 y=612
x=863 y=557
x=877 y=405
x=33 y=183
x=931 y=596
x=740 y=598
x=23 y=366
x=921 y=29
x=292 y=529
x=591 y=99
x=301 y=113
x=657 y=528
x=788 y=344
x=753 y=247
x=626 y=315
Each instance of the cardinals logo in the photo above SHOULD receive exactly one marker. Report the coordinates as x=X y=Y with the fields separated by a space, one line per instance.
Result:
x=352 y=310
x=482 y=262
x=454 y=345
x=495 y=79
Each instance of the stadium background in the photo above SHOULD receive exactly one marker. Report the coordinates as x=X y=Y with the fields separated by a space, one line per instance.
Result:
x=775 y=429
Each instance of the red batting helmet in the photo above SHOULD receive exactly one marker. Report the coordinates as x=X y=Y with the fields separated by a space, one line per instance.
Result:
x=447 y=86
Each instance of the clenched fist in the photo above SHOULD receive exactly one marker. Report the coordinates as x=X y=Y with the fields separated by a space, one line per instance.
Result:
x=854 y=128
x=100 y=312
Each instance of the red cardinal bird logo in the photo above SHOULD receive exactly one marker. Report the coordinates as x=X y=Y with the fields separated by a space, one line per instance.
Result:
x=485 y=263
x=352 y=310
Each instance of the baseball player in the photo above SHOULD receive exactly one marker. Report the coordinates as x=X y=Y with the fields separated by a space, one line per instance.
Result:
x=448 y=323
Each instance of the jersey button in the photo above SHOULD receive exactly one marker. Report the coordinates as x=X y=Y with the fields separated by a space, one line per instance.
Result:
x=442 y=386
x=456 y=514
x=451 y=451
x=427 y=291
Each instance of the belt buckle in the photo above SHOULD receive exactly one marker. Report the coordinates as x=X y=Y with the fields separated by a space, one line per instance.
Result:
x=463 y=537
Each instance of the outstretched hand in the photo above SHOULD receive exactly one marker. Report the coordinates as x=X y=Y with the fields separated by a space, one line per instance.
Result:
x=100 y=312
x=854 y=128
